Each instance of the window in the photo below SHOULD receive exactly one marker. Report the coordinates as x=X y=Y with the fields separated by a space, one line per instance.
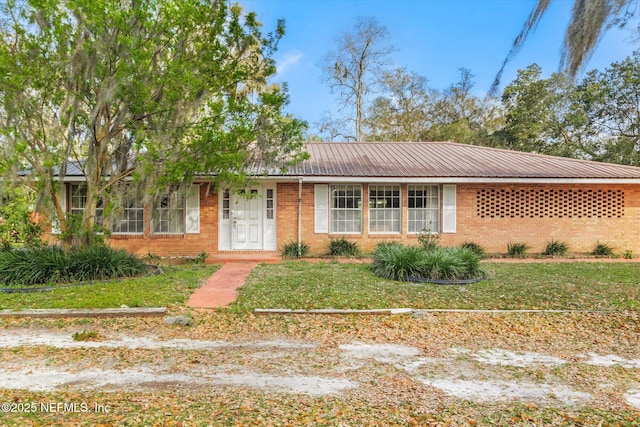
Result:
x=226 y=198
x=424 y=212
x=78 y=200
x=346 y=209
x=269 y=203
x=131 y=219
x=384 y=208
x=169 y=215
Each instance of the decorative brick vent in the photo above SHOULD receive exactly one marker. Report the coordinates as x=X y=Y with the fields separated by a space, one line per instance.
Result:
x=546 y=203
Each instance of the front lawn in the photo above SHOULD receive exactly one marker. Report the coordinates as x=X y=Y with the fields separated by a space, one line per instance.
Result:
x=173 y=287
x=569 y=286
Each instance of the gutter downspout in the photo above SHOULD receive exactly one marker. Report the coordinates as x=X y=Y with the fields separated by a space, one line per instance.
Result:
x=299 y=216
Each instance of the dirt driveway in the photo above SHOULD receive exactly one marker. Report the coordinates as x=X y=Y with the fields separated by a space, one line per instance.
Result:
x=440 y=368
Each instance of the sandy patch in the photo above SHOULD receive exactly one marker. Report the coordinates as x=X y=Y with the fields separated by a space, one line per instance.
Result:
x=488 y=391
x=37 y=379
x=633 y=397
x=27 y=337
x=383 y=353
x=497 y=356
x=612 y=360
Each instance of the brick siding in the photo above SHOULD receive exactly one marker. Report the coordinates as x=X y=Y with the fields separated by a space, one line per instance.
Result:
x=612 y=218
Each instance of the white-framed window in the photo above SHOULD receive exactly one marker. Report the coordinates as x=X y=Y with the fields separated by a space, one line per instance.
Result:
x=78 y=200
x=131 y=219
x=384 y=209
x=269 y=197
x=345 y=209
x=169 y=215
x=128 y=220
x=226 y=204
x=423 y=208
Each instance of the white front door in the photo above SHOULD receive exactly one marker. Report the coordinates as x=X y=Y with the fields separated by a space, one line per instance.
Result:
x=247 y=220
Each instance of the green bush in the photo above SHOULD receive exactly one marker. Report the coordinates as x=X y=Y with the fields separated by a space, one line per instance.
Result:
x=103 y=262
x=554 y=248
x=475 y=248
x=343 y=247
x=52 y=264
x=396 y=262
x=34 y=266
x=428 y=240
x=294 y=249
x=602 y=249
x=450 y=264
x=517 y=250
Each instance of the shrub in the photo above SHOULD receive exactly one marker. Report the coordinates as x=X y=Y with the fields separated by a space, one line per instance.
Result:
x=52 y=264
x=450 y=264
x=294 y=249
x=517 y=250
x=602 y=249
x=394 y=261
x=103 y=262
x=397 y=262
x=343 y=247
x=475 y=248
x=554 y=248
x=428 y=240
x=34 y=266
x=628 y=254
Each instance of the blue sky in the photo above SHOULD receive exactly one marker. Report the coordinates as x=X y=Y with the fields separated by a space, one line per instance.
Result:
x=434 y=39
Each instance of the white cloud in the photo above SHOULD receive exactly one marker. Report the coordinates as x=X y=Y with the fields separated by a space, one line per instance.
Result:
x=289 y=60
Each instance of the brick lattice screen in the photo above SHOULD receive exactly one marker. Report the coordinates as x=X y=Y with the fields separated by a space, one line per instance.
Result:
x=549 y=203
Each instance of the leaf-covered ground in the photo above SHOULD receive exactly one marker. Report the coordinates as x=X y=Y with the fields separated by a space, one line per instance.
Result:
x=569 y=286
x=568 y=369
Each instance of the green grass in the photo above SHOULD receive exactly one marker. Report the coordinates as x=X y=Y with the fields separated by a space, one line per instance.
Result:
x=164 y=290
x=571 y=286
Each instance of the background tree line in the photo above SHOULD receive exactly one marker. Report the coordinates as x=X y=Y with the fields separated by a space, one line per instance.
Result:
x=596 y=117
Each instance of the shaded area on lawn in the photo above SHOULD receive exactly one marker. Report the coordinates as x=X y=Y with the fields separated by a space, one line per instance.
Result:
x=568 y=286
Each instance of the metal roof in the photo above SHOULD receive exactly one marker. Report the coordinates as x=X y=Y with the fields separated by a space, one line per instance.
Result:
x=446 y=160
x=439 y=161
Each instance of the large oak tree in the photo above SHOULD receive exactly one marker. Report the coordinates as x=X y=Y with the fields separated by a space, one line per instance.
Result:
x=142 y=92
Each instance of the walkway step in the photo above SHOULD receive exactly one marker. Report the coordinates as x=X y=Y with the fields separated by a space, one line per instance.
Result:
x=221 y=288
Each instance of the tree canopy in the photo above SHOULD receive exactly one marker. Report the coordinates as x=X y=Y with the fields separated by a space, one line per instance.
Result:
x=145 y=93
x=589 y=21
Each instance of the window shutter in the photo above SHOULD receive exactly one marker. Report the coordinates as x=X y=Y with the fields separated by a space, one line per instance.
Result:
x=321 y=204
x=449 y=211
x=62 y=195
x=193 y=210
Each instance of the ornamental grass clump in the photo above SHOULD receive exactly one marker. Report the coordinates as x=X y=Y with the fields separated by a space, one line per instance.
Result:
x=52 y=264
x=475 y=248
x=103 y=262
x=517 y=250
x=451 y=264
x=397 y=262
x=410 y=263
x=343 y=247
x=602 y=249
x=294 y=249
x=34 y=266
x=554 y=248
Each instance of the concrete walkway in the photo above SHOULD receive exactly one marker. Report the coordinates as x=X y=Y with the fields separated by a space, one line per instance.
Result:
x=221 y=288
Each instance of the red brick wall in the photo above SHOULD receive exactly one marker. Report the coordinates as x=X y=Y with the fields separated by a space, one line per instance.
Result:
x=178 y=244
x=492 y=233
